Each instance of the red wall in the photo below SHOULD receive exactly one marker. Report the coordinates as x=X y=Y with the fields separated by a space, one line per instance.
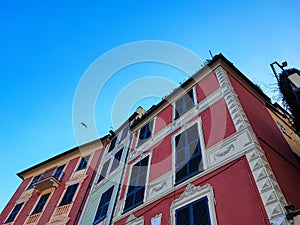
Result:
x=237 y=201
x=164 y=118
x=277 y=150
x=207 y=86
x=54 y=198
x=10 y=205
x=217 y=123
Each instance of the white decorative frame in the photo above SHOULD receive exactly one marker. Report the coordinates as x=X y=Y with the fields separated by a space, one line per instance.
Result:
x=132 y=220
x=144 y=145
x=193 y=193
x=185 y=113
x=202 y=145
x=141 y=157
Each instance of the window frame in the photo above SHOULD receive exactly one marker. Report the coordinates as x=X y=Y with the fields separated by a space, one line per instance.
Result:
x=83 y=163
x=139 y=160
x=176 y=115
x=61 y=203
x=34 y=180
x=191 y=212
x=140 y=141
x=125 y=133
x=37 y=210
x=192 y=194
x=198 y=124
x=116 y=162
x=102 y=171
x=103 y=205
x=113 y=144
x=14 y=214
x=60 y=173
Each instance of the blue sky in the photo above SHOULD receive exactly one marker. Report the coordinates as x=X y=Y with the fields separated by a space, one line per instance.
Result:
x=46 y=46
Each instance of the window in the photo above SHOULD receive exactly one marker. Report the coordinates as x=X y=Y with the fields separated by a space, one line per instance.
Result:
x=196 y=213
x=83 y=163
x=40 y=205
x=183 y=104
x=188 y=157
x=103 y=171
x=58 y=172
x=68 y=197
x=116 y=161
x=14 y=213
x=34 y=180
x=145 y=132
x=103 y=205
x=136 y=189
x=124 y=133
x=112 y=144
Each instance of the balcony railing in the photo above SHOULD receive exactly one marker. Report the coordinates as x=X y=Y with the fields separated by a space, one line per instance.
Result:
x=49 y=179
x=62 y=210
x=33 y=218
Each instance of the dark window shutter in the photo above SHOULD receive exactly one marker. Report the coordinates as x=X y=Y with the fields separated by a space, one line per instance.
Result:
x=103 y=171
x=136 y=189
x=183 y=216
x=103 y=205
x=188 y=157
x=68 y=197
x=112 y=144
x=195 y=213
x=14 y=213
x=40 y=205
x=116 y=161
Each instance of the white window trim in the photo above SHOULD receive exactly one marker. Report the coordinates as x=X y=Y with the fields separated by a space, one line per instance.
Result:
x=191 y=194
x=141 y=146
x=44 y=207
x=174 y=104
x=138 y=159
x=202 y=145
x=100 y=170
x=87 y=165
x=98 y=202
x=64 y=192
x=16 y=203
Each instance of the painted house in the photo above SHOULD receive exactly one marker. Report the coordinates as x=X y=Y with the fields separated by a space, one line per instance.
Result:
x=101 y=201
x=209 y=153
x=54 y=191
x=212 y=152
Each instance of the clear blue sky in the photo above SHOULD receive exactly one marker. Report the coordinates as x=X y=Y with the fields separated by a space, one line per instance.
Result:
x=46 y=46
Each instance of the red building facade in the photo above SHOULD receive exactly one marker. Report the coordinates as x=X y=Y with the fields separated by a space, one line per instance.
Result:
x=54 y=191
x=210 y=153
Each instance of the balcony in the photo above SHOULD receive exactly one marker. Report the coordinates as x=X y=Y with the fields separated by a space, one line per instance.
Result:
x=49 y=179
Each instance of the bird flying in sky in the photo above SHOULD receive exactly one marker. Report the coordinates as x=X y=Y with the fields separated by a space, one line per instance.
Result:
x=84 y=125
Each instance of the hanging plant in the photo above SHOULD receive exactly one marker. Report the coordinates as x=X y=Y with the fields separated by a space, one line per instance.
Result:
x=288 y=96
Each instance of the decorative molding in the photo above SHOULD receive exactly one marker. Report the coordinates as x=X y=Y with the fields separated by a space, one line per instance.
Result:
x=25 y=196
x=119 y=207
x=193 y=193
x=226 y=149
x=159 y=187
x=269 y=190
x=132 y=220
x=265 y=180
x=76 y=179
x=59 y=220
x=236 y=111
